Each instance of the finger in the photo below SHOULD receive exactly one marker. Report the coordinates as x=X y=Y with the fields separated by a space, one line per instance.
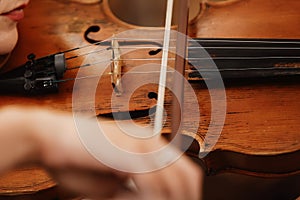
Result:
x=181 y=180
x=191 y=179
x=89 y=183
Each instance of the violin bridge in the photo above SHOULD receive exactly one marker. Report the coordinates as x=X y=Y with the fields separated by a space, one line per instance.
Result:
x=116 y=68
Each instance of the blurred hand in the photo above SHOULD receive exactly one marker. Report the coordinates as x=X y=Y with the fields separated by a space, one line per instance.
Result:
x=51 y=139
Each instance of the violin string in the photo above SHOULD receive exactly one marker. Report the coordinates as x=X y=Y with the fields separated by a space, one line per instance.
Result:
x=107 y=42
x=192 y=59
x=214 y=47
x=108 y=74
x=188 y=58
x=245 y=47
x=108 y=61
x=270 y=41
x=173 y=59
x=264 y=41
x=92 y=52
x=84 y=46
x=89 y=64
x=189 y=48
x=247 y=41
x=77 y=78
x=88 y=53
x=202 y=70
x=98 y=76
x=187 y=71
x=215 y=58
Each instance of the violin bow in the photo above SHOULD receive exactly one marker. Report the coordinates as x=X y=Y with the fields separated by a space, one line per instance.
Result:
x=158 y=120
x=178 y=87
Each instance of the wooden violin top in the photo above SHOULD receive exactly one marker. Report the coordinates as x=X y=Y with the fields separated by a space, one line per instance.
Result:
x=260 y=136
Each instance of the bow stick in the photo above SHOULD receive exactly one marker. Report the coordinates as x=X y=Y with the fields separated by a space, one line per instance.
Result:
x=178 y=88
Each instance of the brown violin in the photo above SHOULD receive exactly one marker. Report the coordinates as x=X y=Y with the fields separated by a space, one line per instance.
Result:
x=253 y=44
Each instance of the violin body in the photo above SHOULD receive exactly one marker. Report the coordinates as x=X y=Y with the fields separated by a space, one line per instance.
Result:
x=258 y=149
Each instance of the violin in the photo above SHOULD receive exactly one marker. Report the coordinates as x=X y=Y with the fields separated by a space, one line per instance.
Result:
x=251 y=141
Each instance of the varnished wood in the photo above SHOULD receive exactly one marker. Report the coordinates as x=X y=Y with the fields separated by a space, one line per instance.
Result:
x=36 y=180
x=262 y=116
x=256 y=19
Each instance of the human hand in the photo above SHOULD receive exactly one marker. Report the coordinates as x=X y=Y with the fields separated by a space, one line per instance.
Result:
x=51 y=140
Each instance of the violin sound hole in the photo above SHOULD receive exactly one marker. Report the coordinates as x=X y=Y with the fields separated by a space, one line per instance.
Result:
x=152 y=95
x=154 y=52
x=91 y=29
